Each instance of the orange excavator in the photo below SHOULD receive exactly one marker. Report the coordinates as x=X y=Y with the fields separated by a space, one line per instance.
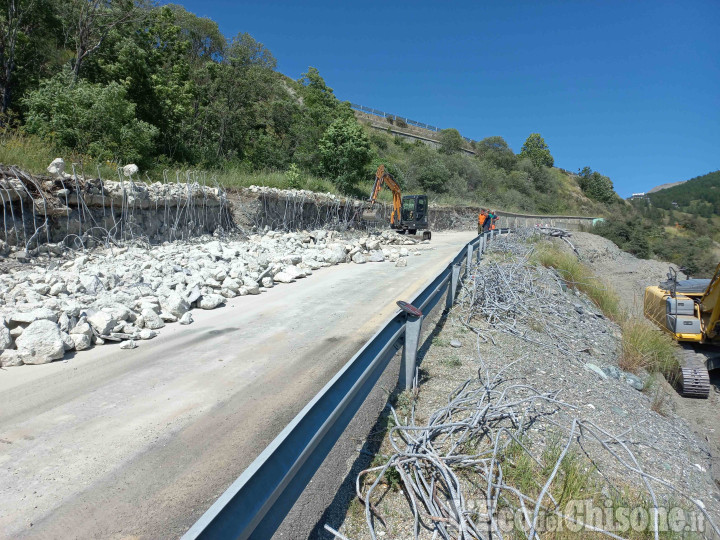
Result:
x=409 y=213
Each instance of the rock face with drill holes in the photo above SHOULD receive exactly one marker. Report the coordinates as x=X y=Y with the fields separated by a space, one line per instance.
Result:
x=129 y=293
x=83 y=211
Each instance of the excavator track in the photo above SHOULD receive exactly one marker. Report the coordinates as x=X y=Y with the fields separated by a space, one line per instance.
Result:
x=695 y=379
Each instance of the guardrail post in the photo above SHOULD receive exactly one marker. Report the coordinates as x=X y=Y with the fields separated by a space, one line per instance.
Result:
x=482 y=244
x=452 y=286
x=468 y=261
x=413 y=326
x=479 y=251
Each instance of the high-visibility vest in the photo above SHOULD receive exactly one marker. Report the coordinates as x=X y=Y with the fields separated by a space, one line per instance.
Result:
x=481 y=218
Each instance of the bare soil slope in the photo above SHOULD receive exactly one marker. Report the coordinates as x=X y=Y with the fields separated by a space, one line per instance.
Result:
x=629 y=276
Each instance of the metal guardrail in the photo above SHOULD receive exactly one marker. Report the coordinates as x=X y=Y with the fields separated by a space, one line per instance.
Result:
x=257 y=502
x=409 y=122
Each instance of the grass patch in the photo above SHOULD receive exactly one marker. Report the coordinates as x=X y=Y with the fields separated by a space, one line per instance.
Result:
x=578 y=482
x=576 y=275
x=438 y=341
x=450 y=361
x=646 y=347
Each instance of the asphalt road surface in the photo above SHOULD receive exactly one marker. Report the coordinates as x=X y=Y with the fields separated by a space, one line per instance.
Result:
x=139 y=443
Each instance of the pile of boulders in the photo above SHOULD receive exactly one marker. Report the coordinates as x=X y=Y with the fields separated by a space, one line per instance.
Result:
x=127 y=294
x=297 y=193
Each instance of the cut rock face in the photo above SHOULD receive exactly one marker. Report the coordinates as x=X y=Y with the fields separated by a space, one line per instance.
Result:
x=41 y=342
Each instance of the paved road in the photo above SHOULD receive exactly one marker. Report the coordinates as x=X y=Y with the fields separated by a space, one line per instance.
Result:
x=139 y=443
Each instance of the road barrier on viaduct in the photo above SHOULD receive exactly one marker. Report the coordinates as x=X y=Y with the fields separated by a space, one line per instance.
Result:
x=257 y=502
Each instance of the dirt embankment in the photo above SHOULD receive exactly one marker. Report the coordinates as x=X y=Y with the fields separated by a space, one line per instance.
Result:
x=629 y=276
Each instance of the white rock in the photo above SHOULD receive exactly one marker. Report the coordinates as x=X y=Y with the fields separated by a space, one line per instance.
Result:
x=186 y=318
x=251 y=286
x=147 y=334
x=401 y=263
x=372 y=245
x=34 y=315
x=42 y=342
x=68 y=342
x=359 y=258
x=130 y=169
x=58 y=288
x=294 y=272
x=91 y=284
x=6 y=340
x=57 y=166
x=210 y=301
x=82 y=341
x=152 y=319
x=215 y=249
x=282 y=277
x=230 y=283
x=130 y=344
x=102 y=322
x=404 y=252
x=267 y=282
x=376 y=256
x=335 y=254
x=175 y=304
x=10 y=358
x=167 y=317
x=63 y=322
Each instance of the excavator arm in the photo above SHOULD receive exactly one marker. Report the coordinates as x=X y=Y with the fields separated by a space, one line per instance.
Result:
x=383 y=177
x=710 y=303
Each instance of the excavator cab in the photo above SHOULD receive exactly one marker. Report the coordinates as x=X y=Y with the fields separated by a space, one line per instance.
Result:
x=414 y=214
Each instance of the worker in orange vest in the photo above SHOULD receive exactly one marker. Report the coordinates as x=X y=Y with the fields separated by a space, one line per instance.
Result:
x=482 y=216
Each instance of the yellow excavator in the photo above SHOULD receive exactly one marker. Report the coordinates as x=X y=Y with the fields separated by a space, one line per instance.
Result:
x=409 y=212
x=689 y=310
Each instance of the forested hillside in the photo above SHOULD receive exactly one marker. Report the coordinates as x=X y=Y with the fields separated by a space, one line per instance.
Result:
x=107 y=83
x=680 y=224
x=699 y=196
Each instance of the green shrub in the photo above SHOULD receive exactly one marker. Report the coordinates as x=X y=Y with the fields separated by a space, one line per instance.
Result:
x=345 y=154
x=90 y=118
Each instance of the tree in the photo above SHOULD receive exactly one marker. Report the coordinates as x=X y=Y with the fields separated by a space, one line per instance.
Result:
x=345 y=153
x=451 y=142
x=537 y=151
x=320 y=108
x=596 y=186
x=496 y=150
x=87 y=23
x=28 y=39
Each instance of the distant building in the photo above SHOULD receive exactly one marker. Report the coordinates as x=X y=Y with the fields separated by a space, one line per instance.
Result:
x=637 y=196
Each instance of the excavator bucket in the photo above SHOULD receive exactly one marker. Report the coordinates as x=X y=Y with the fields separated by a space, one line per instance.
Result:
x=371 y=213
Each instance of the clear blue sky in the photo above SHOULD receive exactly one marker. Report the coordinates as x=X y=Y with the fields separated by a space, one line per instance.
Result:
x=631 y=89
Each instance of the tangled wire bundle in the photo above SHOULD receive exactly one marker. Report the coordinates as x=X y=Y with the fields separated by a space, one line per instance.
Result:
x=461 y=471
